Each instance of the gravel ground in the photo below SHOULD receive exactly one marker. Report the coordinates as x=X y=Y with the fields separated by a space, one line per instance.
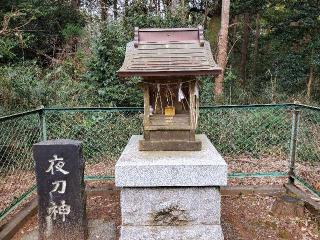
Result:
x=251 y=217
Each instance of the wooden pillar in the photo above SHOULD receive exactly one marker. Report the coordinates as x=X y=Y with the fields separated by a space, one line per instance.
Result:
x=197 y=105
x=146 y=117
x=192 y=110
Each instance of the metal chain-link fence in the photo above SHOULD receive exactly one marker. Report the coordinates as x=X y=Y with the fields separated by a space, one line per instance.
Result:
x=255 y=140
x=104 y=133
x=307 y=165
x=17 y=135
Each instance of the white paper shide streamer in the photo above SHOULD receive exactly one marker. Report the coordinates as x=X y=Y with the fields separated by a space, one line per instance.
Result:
x=181 y=95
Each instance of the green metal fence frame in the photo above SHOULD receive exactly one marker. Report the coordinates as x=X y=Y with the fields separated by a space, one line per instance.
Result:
x=5 y=212
x=292 y=177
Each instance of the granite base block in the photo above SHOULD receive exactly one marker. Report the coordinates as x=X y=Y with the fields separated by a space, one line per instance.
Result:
x=170 y=206
x=170 y=168
x=196 y=232
x=170 y=195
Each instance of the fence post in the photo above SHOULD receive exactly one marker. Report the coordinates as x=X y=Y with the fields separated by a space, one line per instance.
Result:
x=293 y=143
x=43 y=126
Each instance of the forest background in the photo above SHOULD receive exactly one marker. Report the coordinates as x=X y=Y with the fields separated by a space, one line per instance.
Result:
x=66 y=52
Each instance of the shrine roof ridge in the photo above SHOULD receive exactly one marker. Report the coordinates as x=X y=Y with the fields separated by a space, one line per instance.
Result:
x=159 y=35
x=169 y=52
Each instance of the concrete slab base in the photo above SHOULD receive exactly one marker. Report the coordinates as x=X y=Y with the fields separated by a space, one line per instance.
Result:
x=98 y=229
x=195 y=232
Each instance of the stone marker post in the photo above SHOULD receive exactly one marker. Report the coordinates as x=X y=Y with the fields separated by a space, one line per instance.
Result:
x=61 y=189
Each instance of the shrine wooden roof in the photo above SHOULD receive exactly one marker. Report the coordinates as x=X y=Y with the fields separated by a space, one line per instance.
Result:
x=168 y=52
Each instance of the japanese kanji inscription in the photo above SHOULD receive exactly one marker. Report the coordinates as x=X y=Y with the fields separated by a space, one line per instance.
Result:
x=61 y=190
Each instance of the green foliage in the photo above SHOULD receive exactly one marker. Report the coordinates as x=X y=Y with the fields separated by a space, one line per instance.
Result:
x=206 y=93
x=20 y=85
x=247 y=131
x=7 y=45
x=71 y=31
x=138 y=15
x=27 y=85
x=104 y=133
x=288 y=49
x=109 y=51
x=36 y=28
x=49 y=54
x=248 y=6
x=292 y=73
x=295 y=38
x=63 y=88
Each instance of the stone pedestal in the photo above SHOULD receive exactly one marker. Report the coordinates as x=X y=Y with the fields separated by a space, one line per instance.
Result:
x=170 y=194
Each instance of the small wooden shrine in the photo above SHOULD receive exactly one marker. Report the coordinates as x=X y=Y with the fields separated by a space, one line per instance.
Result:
x=169 y=62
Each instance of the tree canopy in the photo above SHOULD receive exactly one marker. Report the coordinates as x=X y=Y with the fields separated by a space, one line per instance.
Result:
x=67 y=52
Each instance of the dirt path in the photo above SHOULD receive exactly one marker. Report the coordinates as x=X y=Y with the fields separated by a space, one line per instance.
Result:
x=250 y=217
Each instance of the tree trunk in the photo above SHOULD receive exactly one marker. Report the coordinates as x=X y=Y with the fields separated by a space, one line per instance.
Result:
x=213 y=30
x=158 y=6
x=115 y=9
x=75 y=4
x=184 y=11
x=234 y=28
x=174 y=6
x=104 y=10
x=166 y=5
x=310 y=81
x=126 y=8
x=206 y=11
x=222 y=49
x=256 y=45
x=244 y=48
x=151 y=5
